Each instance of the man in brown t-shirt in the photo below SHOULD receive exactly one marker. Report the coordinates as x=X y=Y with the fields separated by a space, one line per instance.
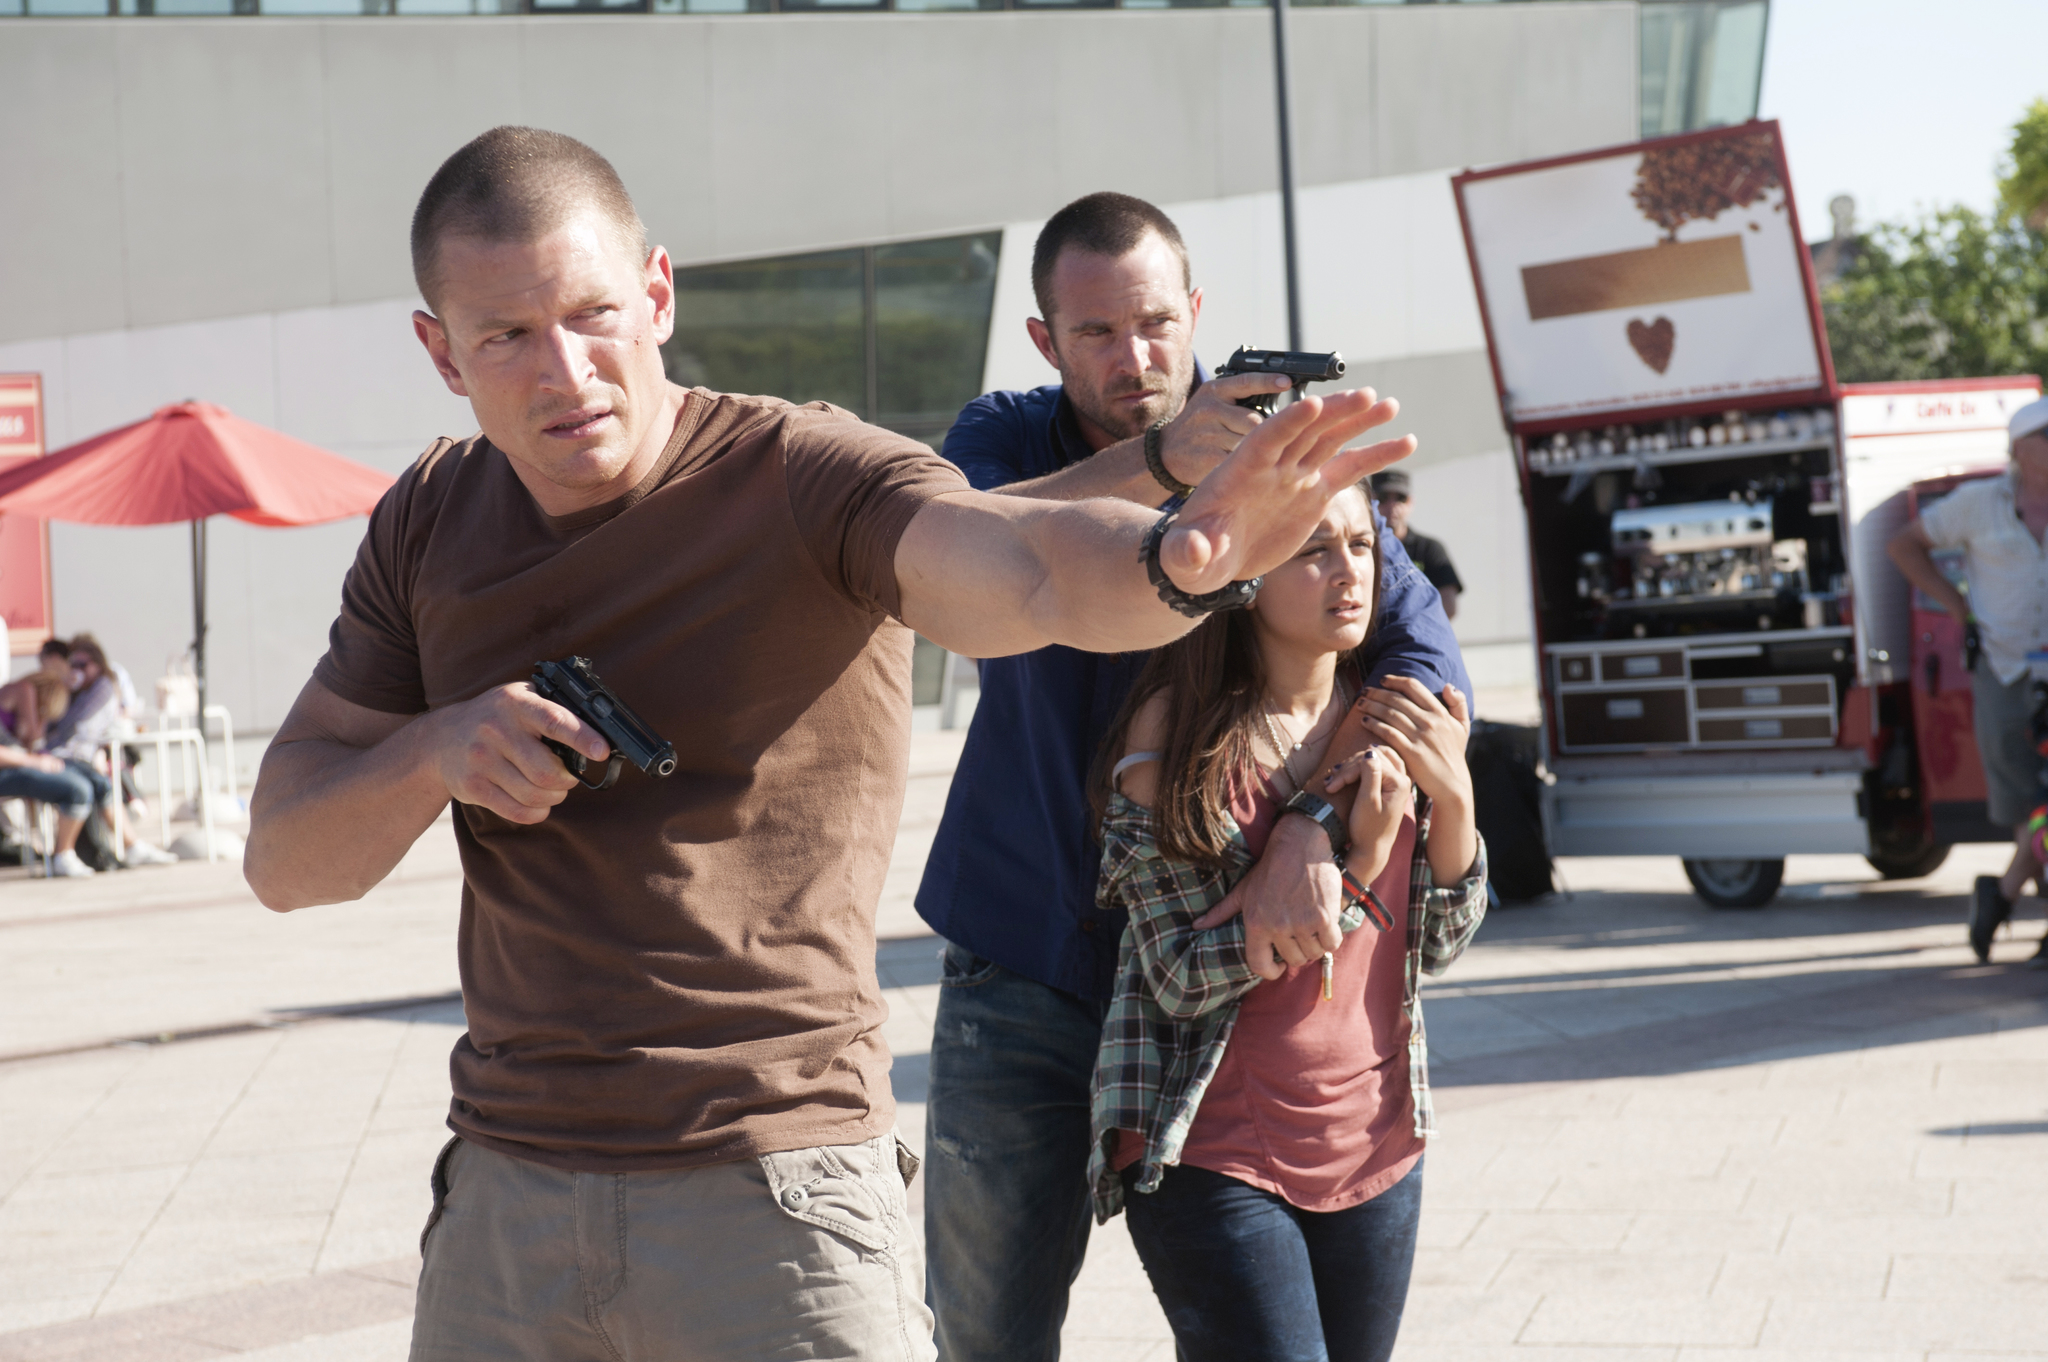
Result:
x=672 y=1105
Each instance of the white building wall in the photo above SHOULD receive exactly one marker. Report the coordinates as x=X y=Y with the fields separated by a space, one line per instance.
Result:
x=217 y=209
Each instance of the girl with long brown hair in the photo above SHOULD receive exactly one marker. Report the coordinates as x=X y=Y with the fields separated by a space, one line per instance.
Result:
x=1267 y=1137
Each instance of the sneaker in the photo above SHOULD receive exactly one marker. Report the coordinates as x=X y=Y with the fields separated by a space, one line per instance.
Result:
x=65 y=865
x=1988 y=909
x=142 y=853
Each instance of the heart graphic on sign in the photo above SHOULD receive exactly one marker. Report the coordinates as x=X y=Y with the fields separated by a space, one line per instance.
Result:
x=1653 y=342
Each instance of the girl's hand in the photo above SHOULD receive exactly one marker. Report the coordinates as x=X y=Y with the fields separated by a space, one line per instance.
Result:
x=1428 y=734
x=1384 y=795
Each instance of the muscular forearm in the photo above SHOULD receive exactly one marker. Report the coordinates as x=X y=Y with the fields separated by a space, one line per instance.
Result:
x=328 y=821
x=1046 y=572
x=1118 y=471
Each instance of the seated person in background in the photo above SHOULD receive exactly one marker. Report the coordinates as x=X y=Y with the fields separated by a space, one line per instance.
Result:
x=51 y=780
x=1396 y=497
x=89 y=721
x=1269 y=1146
x=30 y=703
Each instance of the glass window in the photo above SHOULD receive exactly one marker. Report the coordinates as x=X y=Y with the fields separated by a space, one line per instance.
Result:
x=1702 y=63
x=789 y=327
x=708 y=6
x=1738 y=65
x=896 y=334
x=932 y=306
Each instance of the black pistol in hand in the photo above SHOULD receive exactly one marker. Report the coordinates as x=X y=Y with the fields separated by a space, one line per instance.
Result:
x=1302 y=366
x=572 y=684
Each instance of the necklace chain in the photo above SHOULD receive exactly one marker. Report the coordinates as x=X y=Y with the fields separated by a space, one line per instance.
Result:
x=1280 y=747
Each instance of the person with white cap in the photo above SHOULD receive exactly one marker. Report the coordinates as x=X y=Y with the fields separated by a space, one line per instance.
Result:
x=1999 y=524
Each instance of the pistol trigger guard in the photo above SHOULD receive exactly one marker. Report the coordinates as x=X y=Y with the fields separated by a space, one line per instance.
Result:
x=611 y=774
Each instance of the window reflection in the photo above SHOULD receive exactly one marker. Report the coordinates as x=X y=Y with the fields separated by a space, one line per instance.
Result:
x=1702 y=63
x=895 y=334
x=932 y=302
x=789 y=327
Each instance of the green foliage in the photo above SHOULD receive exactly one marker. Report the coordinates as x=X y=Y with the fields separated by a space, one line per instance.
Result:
x=2023 y=189
x=1953 y=295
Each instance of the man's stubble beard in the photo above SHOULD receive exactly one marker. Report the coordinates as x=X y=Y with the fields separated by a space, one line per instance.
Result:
x=1096 y=404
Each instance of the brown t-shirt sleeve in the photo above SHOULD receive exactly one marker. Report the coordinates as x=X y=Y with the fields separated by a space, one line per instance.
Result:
x=853 y=489
x=373 y=656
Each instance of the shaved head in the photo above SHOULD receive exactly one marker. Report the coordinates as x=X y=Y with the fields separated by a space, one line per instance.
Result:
x=514 y=186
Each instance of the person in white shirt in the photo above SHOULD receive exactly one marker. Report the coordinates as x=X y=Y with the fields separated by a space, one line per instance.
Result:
x=1999 y=524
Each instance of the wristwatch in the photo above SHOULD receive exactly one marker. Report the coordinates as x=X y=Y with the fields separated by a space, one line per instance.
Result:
x=1318 y=809
x=1156 y=462
x=1233 y=596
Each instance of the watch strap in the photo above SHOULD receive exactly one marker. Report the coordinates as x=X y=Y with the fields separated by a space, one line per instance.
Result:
x=1155 y=461
x=1233 y=596
x=1318 y=810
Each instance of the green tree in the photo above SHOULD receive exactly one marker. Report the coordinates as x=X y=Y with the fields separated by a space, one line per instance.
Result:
x=2023 y=189
x=1954 y=294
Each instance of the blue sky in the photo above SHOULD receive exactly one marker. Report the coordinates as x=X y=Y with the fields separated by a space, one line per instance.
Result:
x=1901 y=103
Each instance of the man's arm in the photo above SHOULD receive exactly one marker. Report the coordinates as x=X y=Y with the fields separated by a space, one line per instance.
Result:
x=1913 y=550
x=1192 y=444
x=1449 y=596
x=344 y=791
x=987 y=575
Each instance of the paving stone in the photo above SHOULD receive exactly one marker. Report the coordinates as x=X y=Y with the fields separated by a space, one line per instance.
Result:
x=1593 y=1230
x=1605 y=1319
x=2014 y=1325
x=1439 y=1315
x=1984 y=1280
x=1811 y=1276
x=1623 y=1274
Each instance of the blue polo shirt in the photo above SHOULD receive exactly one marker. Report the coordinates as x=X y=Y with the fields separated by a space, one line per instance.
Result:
x=1011 y=876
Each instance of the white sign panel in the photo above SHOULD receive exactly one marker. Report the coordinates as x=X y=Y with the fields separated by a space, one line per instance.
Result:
x=1668 y=274
x=1897 y=434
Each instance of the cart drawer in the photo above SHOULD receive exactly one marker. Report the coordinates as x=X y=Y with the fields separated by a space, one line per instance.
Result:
x=1644 y=666
x=1624 y=718
x=1776 y=728
x=1792 y=692
x=1574 y=669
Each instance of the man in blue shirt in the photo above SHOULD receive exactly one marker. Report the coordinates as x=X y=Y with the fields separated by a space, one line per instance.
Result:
x=1030 y=961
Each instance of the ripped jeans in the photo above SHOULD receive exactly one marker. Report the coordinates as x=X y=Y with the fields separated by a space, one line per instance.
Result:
x=1006 y=1210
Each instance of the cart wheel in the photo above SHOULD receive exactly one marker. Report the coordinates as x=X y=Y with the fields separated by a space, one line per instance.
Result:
x=1735 y=884
x=1912 y=865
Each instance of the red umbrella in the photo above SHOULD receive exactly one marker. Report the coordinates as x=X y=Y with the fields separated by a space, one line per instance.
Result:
x=189 y=461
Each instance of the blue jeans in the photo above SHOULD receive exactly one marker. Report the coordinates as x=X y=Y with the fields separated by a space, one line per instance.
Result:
x=1006 y=1207
x=1242 y=1274
x=72 y=791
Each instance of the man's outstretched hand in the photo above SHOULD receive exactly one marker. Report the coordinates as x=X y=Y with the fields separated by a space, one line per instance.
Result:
x=1252 y=513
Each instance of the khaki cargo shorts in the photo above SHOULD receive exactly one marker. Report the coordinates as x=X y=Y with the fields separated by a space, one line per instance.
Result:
x=805 y=1254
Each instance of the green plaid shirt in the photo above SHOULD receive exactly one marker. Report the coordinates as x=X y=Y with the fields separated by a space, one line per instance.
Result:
x=1178 y=989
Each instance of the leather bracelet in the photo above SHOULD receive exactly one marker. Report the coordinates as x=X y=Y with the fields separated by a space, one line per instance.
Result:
x=1361 y=893
x=1235 y=596
x=1156 y=462
x=1319 y=810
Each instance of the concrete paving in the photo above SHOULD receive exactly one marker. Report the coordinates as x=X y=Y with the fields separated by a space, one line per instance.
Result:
x=1815 y=1131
